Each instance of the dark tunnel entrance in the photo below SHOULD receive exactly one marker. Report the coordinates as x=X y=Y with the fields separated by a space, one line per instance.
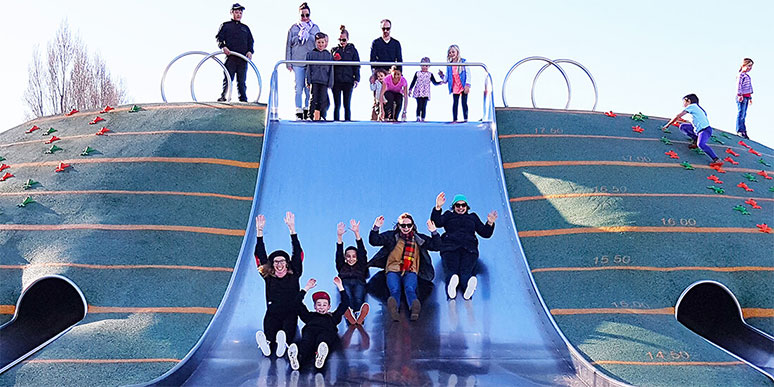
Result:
x=711 y=310
x=46 y=309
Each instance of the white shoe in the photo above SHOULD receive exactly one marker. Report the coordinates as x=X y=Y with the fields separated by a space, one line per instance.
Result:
x=451 y=290
x=282 y=343
x=293 y=357
x=260 y=338
x=472 y=283
x=322 y=353
x=319 y=380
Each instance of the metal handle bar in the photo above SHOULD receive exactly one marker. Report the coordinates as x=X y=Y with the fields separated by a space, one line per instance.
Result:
x=236 y=54
x=164 y=76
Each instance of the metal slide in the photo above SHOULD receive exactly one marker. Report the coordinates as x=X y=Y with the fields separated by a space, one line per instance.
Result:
x=329 y=172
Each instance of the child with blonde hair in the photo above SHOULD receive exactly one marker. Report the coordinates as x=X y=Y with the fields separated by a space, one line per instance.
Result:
x=744 y=92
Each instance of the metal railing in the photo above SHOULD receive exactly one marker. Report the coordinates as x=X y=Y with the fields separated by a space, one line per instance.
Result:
x=488 y=109
x=212 y=56
x=555 y=63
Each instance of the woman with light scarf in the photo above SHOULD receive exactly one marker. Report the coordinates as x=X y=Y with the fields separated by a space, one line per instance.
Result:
x=300 y=41
x=405 y=258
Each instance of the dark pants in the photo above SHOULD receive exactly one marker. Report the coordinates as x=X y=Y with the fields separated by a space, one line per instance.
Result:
x=461 y=262
x=307 y=347
x=464 y=105
x=274 y=321
x=340 y=89
x=319 y=98
x=236 y=66
x=422 y=107
x=393 y=105
x=700 y=138
x=356 y=290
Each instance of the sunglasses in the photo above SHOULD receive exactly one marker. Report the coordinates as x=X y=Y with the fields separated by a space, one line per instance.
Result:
x=406 y=225
x=343 y=40
x=386 y=28
x=460 y=205
x=304 y=15
x=278 y=261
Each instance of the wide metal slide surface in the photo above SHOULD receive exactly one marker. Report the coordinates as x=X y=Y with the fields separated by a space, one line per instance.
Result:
x=330 y=172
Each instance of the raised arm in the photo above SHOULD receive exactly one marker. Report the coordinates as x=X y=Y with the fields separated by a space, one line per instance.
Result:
x=339 y=312
x=297 y=258
x=340 y=230
x=260 y=249
x=434 y=244
x=303 y=312
x=374 y=237
x=436 y=214
x=677 y=118
x=486 y=229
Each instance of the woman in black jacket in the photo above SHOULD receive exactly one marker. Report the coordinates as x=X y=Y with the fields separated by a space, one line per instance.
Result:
x=405 y=258
x=281 y=273
x=459 y=251
x=345 y=78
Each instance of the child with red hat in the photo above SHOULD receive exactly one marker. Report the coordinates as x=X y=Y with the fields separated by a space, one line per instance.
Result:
x=321 y=329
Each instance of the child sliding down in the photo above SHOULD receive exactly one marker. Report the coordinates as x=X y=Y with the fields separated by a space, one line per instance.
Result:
x=320 y=331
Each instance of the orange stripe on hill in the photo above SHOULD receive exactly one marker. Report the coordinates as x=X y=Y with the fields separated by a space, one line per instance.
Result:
x=9 y=309
x=653 y=195
x=178 y=160
x=100 y=361
x=669 y=363
x=650 y=268
x=125 y=192
x=614 y=229
x=564 y=163
x=120 y=227
x=114 y=267
x=746 y=312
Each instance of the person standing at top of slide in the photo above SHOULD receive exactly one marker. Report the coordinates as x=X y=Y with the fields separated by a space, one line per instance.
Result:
x=300 y=42
x=385 y=48
x=235 y=36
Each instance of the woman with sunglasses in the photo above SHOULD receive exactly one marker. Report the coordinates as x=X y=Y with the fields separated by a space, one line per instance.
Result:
x=300 y=42
x=281 y=273
x=459 y=250
x=405 y=258
x=345 y=78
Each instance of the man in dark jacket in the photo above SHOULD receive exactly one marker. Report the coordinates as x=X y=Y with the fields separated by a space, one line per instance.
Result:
x=235 y=36
x=385 y=48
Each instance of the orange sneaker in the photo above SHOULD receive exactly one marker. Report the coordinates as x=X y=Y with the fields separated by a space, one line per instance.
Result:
x=350 y=318
x=363 y=313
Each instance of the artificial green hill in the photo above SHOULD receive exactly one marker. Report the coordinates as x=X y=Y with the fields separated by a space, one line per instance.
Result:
x=614 y=230
x=149 y=226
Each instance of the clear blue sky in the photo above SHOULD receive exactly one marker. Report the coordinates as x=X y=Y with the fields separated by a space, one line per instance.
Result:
x=644 y=55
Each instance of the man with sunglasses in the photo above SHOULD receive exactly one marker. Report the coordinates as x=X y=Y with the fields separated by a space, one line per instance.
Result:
x=405 y=258
x=385 y=48
x=235 y=36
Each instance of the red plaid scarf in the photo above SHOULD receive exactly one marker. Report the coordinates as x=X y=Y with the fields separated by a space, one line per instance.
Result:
x=409 y=250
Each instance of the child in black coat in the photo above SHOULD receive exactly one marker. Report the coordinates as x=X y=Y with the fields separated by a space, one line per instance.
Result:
x=353 y=271
x=281 y=273
x=321 y=330
x=319 y=77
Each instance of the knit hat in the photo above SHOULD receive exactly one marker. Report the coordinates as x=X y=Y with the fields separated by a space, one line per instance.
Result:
x=278 y=253
x=321 y=295
x=460 y=197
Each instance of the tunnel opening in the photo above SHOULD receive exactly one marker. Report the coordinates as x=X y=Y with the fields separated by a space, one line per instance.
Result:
x=711 y=310
x=46 y=309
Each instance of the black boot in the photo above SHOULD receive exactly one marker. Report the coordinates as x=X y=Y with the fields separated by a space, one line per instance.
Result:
x=299 y=116
x=306 y=114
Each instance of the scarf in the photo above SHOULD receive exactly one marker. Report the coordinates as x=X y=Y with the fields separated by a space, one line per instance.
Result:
x=409 y=250
x=303 y=32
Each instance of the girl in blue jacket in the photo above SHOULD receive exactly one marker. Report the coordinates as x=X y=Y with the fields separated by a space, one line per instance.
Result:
x=458 y=79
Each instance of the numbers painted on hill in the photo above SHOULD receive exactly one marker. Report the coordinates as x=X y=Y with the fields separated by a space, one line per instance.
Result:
x=630 y=305
x=640 y=159
x=671 y=355
x=548 y=131
x=687 y=222
x=609 y=189
x=617 y=259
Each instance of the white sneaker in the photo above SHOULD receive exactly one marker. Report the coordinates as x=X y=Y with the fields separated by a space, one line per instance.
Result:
x=293 y=357
x=472 y=283
x=260 y=338
x=322 y=353
x=282 y=343
x=451 y=290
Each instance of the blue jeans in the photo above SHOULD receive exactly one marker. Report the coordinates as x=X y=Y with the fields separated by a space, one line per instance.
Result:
x=355 y=290
x=300 y=73
x=409 y=281
x=700 y=138
x=740 y=126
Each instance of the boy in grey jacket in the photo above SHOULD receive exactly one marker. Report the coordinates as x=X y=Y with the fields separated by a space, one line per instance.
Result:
x=319 y=77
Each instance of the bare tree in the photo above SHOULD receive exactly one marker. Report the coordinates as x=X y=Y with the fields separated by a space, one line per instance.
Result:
x=35 y=95
x=70 y=78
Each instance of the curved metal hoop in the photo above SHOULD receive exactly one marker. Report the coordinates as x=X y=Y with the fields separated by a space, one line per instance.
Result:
x=164 y=77
x=570 y=61
x=236 y=54
x=549 y=63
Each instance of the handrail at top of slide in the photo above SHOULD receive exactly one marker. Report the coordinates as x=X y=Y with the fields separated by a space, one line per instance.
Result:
x=488 y=85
